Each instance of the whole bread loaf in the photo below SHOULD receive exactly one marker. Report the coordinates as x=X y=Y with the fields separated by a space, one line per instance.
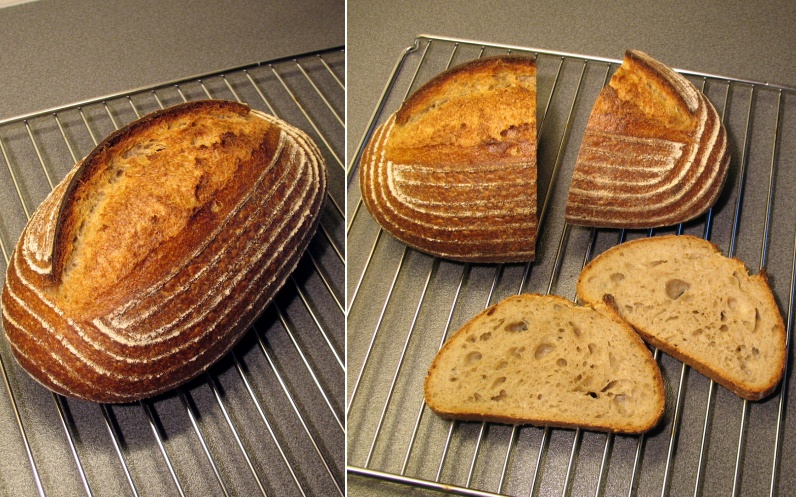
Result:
x=654 y=152
x=686 y=298
x=155 y=254
x=546 y=361
x=453 y=171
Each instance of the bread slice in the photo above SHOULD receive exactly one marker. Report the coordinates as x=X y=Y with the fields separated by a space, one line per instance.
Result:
x=546 y=361
x=152 y=258
x=684 y=297
x=453 y=171
x=654 y=152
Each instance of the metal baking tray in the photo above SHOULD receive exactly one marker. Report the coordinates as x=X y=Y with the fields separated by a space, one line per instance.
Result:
x=268 y=419
x=402 y=304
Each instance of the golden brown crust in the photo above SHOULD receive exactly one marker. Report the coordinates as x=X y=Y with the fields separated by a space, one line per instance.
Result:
x=654 y=153
x=453 y=171
x=193 y=294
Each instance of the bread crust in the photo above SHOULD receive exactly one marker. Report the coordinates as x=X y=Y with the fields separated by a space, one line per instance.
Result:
x=655 y=152
x=453 y=171
x=473 y=414
x=172 y=305
x=693 y=359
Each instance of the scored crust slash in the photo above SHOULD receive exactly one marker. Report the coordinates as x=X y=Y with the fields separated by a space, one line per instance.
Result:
x=150 y=260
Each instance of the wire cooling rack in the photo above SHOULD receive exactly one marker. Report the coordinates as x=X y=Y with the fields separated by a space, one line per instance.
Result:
x=268 y=419
x=403 y=304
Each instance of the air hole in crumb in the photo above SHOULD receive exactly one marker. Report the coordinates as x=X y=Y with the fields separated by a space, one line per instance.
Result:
x=621 y=403
x=676 y=287
x=609 y=386
x=472 y=358
x=592 y=348
x=516 y=326
x=724 y=327
x=561 y=362
x=516 y=352
x=502 y=364
x=498 y=381
x=485 y=336
x=543 y=349
x=593 y=395
x=502 y=395
x=617 y=277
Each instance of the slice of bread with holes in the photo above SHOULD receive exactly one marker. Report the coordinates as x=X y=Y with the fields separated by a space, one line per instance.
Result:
x=542 y=360
x=684 y=297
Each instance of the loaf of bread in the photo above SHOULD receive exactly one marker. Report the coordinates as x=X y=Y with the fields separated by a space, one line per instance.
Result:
x=453 y=171
x=155 y=254
x=654 y=152
x=686 y=298
x=546 y=361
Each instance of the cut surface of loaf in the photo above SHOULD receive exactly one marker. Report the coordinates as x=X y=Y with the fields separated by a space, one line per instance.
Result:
x=542 y=360
x=654 y=152
x=154 y=255
x=453 y=171
x=686 y=298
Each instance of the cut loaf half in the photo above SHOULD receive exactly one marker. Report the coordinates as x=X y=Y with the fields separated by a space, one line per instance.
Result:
x=453 y=171
x=545 y=361
x=654 y=152
x=684 y=297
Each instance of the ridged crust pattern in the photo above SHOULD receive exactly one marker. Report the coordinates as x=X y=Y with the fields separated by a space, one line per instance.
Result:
x=654 y=152
x=453 y=171
x=191 y=297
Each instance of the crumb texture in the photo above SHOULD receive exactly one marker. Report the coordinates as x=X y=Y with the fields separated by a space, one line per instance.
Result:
x=694 y=303
x=545 y=361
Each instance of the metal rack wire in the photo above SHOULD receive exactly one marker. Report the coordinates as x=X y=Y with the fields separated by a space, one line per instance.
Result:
x=268 y=418
x=403 y=304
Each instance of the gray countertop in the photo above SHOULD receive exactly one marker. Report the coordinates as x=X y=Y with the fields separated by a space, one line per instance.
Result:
x=57 y=52
x=738 y=39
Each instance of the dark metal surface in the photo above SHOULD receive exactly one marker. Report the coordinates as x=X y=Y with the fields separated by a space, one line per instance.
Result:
x=403 y=304
x=268 y=418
